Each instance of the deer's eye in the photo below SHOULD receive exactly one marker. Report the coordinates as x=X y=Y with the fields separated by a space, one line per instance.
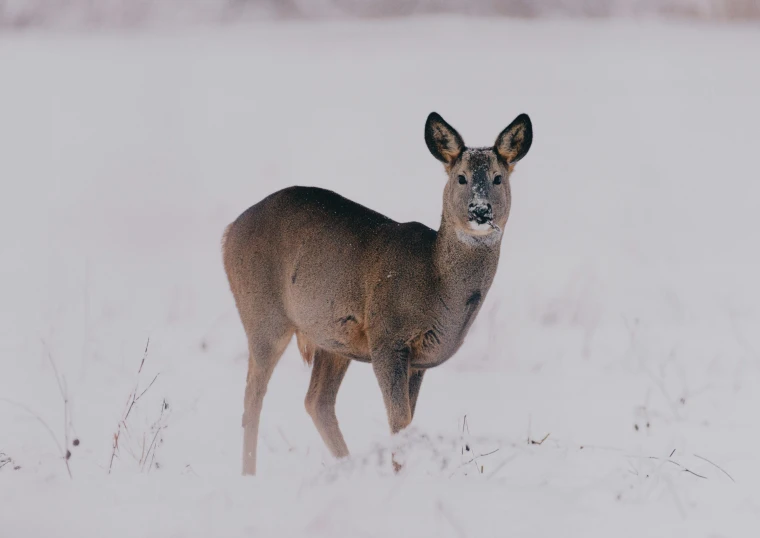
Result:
x=497 y=180
x=462 y=180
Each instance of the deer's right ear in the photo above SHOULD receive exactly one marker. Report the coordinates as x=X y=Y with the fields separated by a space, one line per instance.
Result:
x=442 y=139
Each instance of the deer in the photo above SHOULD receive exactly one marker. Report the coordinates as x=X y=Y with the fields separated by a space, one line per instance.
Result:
x=354 y=285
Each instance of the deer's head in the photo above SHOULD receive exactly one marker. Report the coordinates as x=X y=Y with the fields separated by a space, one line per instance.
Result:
x=477 y=198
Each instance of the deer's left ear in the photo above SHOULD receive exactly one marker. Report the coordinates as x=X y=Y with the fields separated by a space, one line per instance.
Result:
x=514 y=142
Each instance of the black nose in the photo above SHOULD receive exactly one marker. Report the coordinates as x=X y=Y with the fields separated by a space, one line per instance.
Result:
x=480 y=213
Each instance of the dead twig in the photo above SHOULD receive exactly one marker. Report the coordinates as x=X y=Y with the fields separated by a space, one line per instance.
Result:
x=133 y=395
x=132 y=399
x=145 y=356
x=5 y=459
x=151 y=452
x=468 y=448
x=150 y=448
x=541 y=442
x=474 y=459
x=148 y=387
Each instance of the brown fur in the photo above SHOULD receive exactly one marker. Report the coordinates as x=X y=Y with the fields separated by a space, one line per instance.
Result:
x=352 y=284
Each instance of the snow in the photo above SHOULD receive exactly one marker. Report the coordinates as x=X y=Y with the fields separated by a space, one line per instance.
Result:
x=622 y=322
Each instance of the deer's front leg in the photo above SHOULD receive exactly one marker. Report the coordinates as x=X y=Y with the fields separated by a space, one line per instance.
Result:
x=392 y=372
x=415 y=382
x=391 y=368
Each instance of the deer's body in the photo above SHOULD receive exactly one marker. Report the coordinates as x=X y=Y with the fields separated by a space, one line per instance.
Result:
x=353 y=284
x=353 y=276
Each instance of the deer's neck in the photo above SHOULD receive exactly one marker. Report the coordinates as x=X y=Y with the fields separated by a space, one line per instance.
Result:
x=465 y=265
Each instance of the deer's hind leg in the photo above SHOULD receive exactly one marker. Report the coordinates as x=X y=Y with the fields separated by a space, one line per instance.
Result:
x=326 y=377
x=266 y=343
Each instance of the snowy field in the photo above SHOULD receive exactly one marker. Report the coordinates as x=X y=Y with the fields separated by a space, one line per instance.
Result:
x=622 y=327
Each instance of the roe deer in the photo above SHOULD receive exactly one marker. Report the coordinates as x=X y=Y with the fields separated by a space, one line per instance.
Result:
x=353 y=284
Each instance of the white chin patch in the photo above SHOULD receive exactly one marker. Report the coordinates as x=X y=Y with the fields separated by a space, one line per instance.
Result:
x=480 y=234
x=485 y=227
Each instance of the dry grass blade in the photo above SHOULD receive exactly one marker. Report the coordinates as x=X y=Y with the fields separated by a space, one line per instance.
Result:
x=61 y=381
x=503 y=464
x=716 y=466
x=47 y=428
x=55 y=370
x=685 y=469
x=145 y=356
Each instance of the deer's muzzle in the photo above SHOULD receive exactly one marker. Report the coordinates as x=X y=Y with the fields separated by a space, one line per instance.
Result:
x=480 y=212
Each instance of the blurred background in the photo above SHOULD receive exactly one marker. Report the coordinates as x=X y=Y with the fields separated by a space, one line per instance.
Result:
x=116 y=13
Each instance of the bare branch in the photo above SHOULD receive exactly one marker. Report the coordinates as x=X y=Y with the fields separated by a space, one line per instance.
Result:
x=541 y=442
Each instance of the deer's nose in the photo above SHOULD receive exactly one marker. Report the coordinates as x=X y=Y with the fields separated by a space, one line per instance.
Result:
x=480 y=212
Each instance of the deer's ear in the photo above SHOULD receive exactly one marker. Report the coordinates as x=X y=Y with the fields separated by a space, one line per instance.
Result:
x=442 y=139
x=514 y=142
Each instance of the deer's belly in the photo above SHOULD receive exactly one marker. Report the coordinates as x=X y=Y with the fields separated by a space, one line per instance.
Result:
x=345 y=336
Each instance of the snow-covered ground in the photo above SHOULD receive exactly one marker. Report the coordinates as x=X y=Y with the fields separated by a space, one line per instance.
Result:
x=623 y=322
